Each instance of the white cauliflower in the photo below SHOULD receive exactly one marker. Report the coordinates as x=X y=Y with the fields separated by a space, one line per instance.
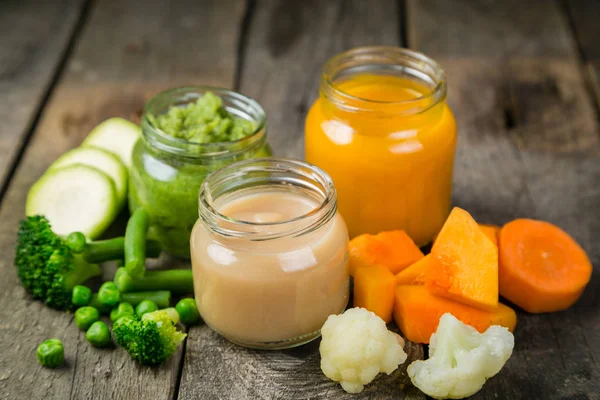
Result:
x=356 y=346
x=461 y=359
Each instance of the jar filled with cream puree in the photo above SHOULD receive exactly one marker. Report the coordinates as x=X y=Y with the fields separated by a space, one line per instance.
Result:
x=382 y=130
x=269 y=253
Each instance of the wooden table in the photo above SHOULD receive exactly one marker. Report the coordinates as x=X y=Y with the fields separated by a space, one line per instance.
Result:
x=523 y=83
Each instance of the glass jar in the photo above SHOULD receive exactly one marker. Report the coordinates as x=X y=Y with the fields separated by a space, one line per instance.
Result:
x=167 y=172
x=269 y=253
x=382 y=130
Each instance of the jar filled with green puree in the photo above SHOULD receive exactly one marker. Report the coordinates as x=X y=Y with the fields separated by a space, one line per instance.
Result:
x=187 y=133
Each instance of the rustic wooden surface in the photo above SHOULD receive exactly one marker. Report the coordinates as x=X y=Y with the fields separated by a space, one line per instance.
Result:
x=584 y=17
x=286 y=45
x=127 y=52
x=523 y=83
x=34 y=37
x=529 y=147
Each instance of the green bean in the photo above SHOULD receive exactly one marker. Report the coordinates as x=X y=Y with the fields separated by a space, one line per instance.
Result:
x=135 y=243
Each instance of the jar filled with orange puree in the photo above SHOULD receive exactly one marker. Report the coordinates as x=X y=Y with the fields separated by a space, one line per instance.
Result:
x=382 y=130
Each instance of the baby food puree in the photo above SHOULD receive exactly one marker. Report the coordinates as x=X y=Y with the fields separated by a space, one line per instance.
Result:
x=271 y=271
x=381 y=128
x=187 y=133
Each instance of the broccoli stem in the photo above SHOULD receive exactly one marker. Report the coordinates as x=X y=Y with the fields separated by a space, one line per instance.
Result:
x=81 y=272
x=162 y=298
x=114 y=249
x=177 y=281
x=135 y=243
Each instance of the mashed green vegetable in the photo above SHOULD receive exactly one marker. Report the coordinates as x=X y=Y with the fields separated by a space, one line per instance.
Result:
x=205 y=121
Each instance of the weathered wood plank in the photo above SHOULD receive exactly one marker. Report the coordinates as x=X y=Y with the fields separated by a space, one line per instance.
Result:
x=584 y=16
x=222 y=370
x=288 y=44
x=529 y=146
x=127 y=52
x=35 y=36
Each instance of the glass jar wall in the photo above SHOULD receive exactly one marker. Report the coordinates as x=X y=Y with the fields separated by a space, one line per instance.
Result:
x=269 y=253
x=382 y=130
x=167 y=172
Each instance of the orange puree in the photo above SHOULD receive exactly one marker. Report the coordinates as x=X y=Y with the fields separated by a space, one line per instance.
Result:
x=388 y=144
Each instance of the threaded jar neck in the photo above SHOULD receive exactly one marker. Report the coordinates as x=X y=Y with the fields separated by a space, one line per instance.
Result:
x=383 y=60
x=258 y=176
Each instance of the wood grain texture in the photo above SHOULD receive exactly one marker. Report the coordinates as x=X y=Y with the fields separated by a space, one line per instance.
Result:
x=584 y=16
x=127 y=52
x=34 y=37
x=217 y=369
x=528 y=147
x=287 y=45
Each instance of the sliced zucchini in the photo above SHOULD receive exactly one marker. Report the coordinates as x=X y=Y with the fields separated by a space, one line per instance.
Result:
x=74 y=198
x=101 y=159
x=116 y=135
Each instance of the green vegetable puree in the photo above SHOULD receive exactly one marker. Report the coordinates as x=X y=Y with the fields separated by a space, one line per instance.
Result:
x=205 y=121
x=167 y=185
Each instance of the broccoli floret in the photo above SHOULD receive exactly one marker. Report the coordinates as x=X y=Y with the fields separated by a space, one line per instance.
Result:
x=151 y=339
x=49 y=266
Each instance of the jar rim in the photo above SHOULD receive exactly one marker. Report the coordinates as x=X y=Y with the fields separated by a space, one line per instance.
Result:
x=228 y=226
x=171 y=144
x=398 y=57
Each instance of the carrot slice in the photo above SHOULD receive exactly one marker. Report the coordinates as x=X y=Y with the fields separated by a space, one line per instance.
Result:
x=415 y=273
x=417 y=313
x=464 y=263
x=394 y=250
x=374 y=288
x=542 y=268
x=491 y=231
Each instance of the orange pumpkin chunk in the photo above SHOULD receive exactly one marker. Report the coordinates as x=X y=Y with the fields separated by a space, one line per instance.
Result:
x=415 y=273
x=374 y=290
x=394 y=250
x=417 y=313
x=491 y=231
x=464 y=263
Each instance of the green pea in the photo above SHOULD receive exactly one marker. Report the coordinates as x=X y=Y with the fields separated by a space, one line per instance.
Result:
x=188 y=312
x=98 y=334
x=81 y=295
x=85 y=317
x=51 y=353
x=121 y=310
x=145 y=307
x=109 y=294
x=76 y=242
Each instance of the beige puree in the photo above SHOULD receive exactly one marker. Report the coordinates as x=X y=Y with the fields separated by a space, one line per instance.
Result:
x=268 y=293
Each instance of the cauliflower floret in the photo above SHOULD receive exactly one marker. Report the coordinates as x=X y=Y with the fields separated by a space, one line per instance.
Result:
x=356 y=346
x=461 y=359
